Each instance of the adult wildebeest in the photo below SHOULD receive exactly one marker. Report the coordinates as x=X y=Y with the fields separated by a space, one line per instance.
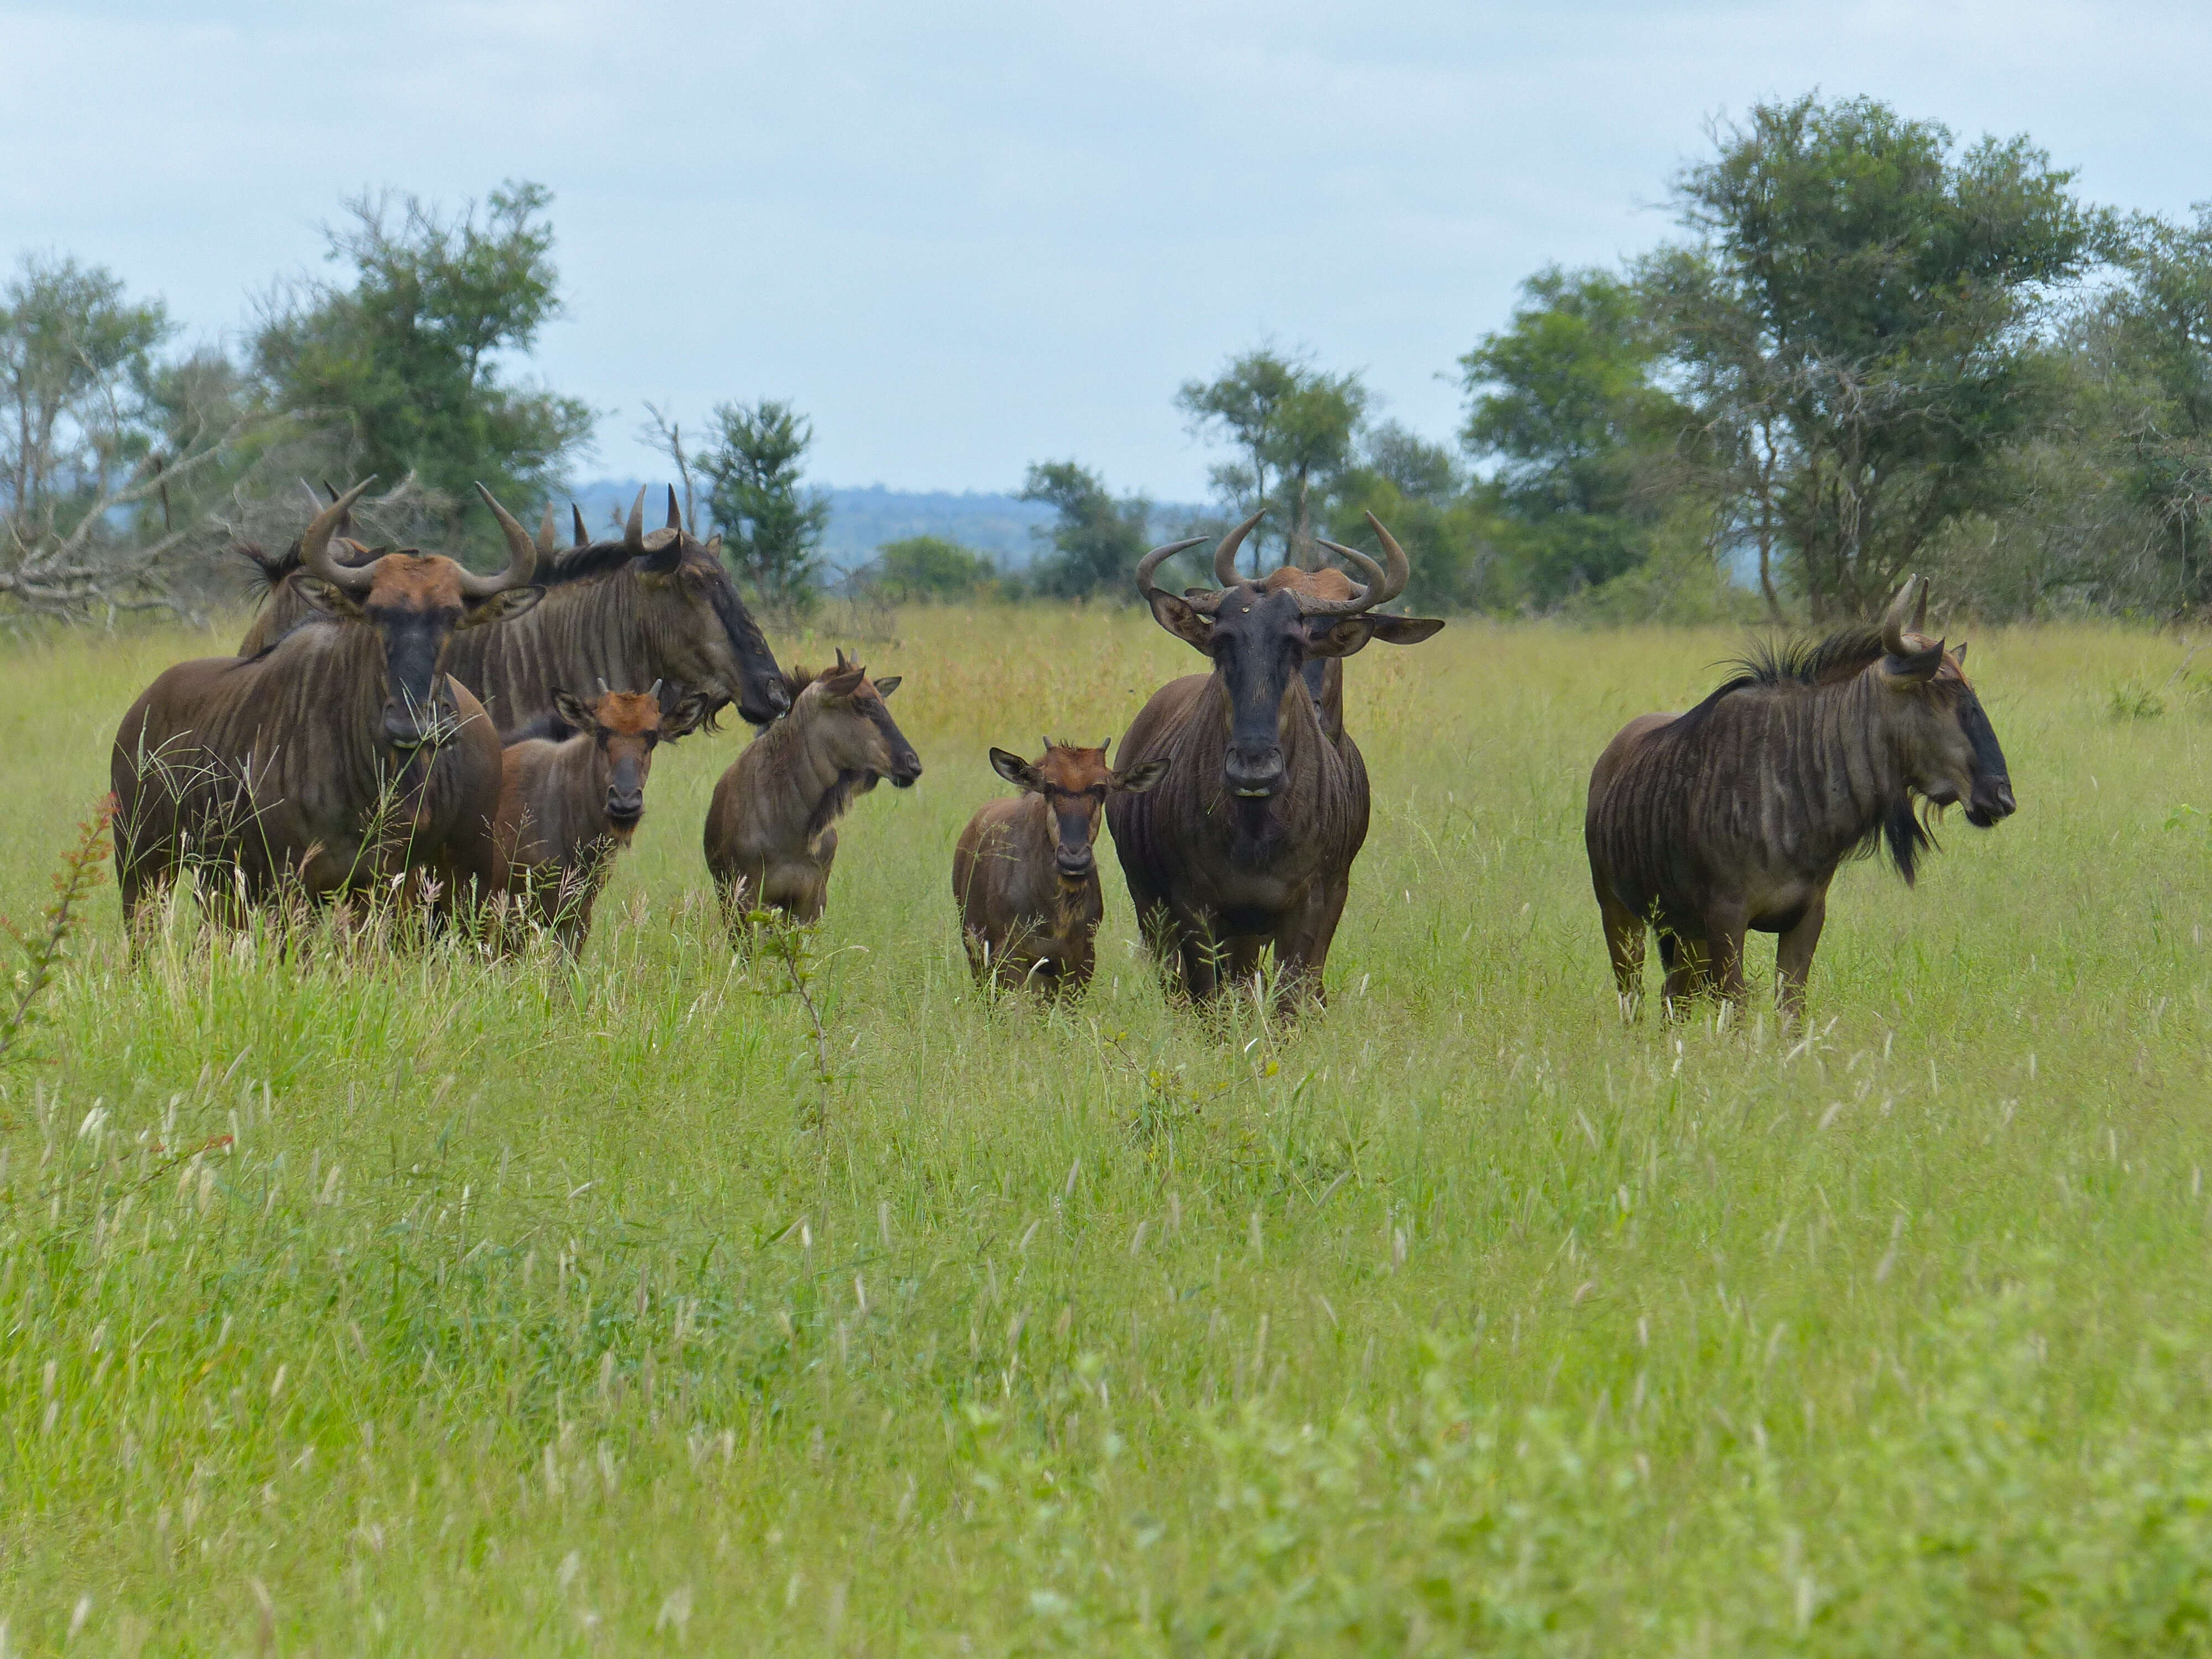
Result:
x=770 y=831
x=647 y=606
x=1248 y=839
x=1735 y=815
x=566 y=808
x=340 y=758
x=1024 y=872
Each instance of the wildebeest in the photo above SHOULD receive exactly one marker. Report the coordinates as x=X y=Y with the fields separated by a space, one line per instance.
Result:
x=566 y=808
x=1735 y=815
x=1024 y=872
x=342 y=756
x=1248 y=839
x=770 y=829
x=646 y=606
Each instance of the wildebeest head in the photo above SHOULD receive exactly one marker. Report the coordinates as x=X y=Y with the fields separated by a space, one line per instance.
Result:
x=1074 y=783
x=626 y=727
x=850 y=728
x=416 y=602
x=706 y=637
x=1262 y=634
x=1941 y=734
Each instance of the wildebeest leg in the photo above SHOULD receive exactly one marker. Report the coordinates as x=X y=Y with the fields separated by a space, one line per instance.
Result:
x=1201 y=953
x=1793 y=959
x=1301 y=945
x=1624 y=943
x=1683 y=961
x=1724 y=929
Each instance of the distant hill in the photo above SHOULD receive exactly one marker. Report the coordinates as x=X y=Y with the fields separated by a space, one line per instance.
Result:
x=862 y=520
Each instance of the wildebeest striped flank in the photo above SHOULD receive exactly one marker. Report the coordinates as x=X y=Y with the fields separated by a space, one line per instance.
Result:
x=1735 y=816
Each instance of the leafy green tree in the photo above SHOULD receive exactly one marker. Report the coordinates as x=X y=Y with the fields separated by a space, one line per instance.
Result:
x=1566 y=400
x=1097 y=539
x=771 y=527
x=1293 y=426
x=408 y=355
x=118 y=466
x=2152 y=345
x=921 y=568
x=1858 y=325
x=1415 y=488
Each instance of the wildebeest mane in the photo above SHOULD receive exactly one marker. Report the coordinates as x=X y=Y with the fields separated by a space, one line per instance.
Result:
x=1822 y=661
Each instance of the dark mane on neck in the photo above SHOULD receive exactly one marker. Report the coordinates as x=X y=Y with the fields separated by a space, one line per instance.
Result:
x=1808 y=662
x=576 y=564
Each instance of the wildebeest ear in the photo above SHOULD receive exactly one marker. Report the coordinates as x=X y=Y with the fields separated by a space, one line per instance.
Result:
x=888 y=683
x=499 y=607
x=1191 y=626
x=570 y=707
x=1138 y=779
x=320 y=596
x=684 y=718
x=1915 y=667
x=1014 y=770
x=1959 y=654
x=714 y=545
x=1406 y=631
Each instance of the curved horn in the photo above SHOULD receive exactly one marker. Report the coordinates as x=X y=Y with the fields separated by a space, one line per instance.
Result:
x=1160 y=555
x=1225 y=555
x=548 y=533
x=1376 y=576
x=1400 y=570
x=674 y=517
x=521 y=556
x=315 y=546
x=634 y=531
x=576 y=522
x=655 y=692
x=1900 y=608
x=1920 y=610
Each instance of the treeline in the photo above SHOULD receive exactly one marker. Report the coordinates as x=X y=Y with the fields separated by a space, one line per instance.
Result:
x=1868 y=350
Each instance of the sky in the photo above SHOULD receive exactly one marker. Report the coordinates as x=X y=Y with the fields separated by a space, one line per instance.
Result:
x=963 y=238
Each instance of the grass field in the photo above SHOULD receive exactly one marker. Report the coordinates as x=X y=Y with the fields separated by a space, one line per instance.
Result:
x=366 y=1304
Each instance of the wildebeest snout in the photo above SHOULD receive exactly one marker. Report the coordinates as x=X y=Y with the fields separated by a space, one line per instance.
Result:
x=1074 y=862
x=906 y=767
x=626 y=805
x=1254 y=773
x=411 y=725
x=1992 y=799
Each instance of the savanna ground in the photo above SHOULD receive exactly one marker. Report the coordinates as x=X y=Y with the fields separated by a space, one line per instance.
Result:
x=365 y=1302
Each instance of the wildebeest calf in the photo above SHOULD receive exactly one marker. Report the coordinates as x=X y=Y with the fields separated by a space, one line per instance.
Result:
x=1024 y=872
x=771 y=831
x=566 y=808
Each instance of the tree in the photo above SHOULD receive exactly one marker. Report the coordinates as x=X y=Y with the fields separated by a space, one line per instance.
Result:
x=921 y=568
x=110 y=459
x=1294 y=425
x=1415 y=488
x=771 y=528
x=409 y=357
x=1097 y=539
x=1857 y=327
x=1564 y=399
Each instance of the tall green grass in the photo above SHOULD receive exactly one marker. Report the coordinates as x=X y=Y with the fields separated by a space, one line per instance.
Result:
x=358 y=1302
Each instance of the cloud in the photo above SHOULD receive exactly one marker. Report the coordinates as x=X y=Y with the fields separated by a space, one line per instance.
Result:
x=964 y=238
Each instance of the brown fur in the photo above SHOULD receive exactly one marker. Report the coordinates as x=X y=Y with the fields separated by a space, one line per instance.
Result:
x=341 y=758
x=1217 y=876
x=1734 y=816
x=770 y=838
x=662 y=607
x=1024 y=872
x=566 y=809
